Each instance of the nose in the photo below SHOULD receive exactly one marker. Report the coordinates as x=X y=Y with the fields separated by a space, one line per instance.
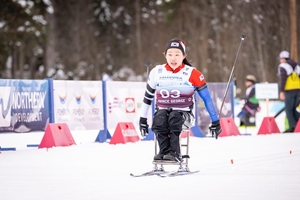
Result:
x=173 y=57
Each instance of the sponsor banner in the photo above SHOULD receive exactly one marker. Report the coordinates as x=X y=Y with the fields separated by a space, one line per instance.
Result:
x=217 y=91
x=79 y=104
x=24 y=105
x=124 y=100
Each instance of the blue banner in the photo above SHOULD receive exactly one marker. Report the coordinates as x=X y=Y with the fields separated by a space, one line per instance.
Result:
x=24 y=105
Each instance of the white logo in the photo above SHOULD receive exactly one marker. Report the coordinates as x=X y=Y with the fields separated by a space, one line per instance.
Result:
x=201 y=77
x=174 y=44
x=5 y=106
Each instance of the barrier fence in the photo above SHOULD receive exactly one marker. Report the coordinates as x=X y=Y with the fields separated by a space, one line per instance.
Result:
x=28 y=106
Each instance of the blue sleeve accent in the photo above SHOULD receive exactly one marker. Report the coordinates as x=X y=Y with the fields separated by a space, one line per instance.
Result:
x=209 y=104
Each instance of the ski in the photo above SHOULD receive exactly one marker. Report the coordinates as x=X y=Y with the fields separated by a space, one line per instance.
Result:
x=163 y=174
x=178 y=173
x=150 y=173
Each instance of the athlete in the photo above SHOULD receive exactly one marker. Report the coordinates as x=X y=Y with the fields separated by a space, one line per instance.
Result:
x=173 y=84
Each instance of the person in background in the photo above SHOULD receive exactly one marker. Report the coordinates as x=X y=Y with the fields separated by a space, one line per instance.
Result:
x=251 y=105
x=173 y=84
x=289 y=88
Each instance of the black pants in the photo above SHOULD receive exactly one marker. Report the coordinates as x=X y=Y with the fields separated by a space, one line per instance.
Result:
x=167 y=126
x=291 y=102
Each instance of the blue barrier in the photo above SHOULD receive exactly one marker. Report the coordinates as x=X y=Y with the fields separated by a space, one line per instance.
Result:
x=51 y=100
x=7 y=149
x=32 y=145
x=103 y=135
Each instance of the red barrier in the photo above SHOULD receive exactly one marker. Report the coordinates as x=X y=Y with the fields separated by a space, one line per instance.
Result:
x=297 y=128
x=229 y=128
x=57 y=135
x=268 y=126
x=125 y=132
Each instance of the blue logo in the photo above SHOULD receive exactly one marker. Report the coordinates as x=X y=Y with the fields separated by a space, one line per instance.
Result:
x=62 y=98
x=93 y=99
x=78 y=98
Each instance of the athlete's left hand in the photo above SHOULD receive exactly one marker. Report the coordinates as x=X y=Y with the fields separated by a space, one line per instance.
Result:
x=215 y=129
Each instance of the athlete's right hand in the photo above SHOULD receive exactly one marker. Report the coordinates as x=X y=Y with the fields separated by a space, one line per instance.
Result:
x=143 y=126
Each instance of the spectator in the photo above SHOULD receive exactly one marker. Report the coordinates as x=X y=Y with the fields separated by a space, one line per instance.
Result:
x=289 y=88
x=251 y=106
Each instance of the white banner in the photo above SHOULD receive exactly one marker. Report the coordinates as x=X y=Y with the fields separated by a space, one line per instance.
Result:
x=124 y=100
x=79 y=104
x=266 y=90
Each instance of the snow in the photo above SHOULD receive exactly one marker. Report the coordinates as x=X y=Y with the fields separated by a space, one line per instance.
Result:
x=264 y=167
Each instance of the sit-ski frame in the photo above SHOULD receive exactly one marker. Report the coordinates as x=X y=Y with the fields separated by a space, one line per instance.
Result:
x=183 y=166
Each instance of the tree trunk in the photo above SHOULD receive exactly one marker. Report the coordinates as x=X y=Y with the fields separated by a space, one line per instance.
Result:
x=293 y=19
x=13 y=60
x=21 y=61
x=138 y=35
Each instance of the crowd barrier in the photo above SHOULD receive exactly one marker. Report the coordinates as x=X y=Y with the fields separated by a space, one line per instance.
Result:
x=93 y=108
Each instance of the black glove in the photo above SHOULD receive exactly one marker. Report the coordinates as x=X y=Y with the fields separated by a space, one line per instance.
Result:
x=143 y=126
x=215 y=129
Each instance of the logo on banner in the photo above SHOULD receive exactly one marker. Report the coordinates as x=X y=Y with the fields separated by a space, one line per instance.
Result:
x=115 y=103
x=62 y=98
x=109 y=107
x=78 y=98
x=129 y=105
x=93 y=99
x=5 y=107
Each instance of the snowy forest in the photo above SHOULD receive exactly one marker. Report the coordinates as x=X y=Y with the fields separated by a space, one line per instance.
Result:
x=85 y=39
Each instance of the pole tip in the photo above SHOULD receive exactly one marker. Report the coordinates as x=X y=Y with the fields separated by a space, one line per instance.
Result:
x=148 y=64
x=243 y=37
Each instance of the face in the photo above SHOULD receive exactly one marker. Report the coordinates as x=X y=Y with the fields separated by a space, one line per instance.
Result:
x=282 y=60
x=248 y=83
x=174 y=57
